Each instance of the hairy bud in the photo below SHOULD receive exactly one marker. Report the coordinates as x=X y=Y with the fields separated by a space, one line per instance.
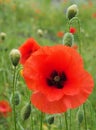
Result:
x=15 y=56
x=26 y=111
x=16 y=97
x=40 y=32
x=68 y=39
x=50 y=120
x=80 y=116
x=2 y=36
x=72 y=11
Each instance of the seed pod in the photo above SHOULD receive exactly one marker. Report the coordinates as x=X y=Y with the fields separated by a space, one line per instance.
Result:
x=26 y=111
x=68 y=39
x=50 y=120
x=72 y=11
x=80 y=116
x=15 y=56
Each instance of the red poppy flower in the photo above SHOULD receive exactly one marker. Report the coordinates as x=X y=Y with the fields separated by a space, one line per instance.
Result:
x=60 y=34
x=94 y=15
x=57 y=78
x=90 y=3
x=72 y=30
x=27 y=49
x=4 y=108
x=75 y=47
x=37 y=11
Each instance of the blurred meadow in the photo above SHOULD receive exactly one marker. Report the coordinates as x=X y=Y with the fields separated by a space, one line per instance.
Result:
x=45 y=21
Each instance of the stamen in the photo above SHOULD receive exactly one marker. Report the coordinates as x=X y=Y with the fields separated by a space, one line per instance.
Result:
x=56 y=79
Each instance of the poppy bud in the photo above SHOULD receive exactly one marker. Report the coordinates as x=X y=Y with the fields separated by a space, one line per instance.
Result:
x=4 y=123
x=2 y=36
x=72 y=11
x=15 y=56
x=80 y=116
x=40 y=32
x=50 y=120
x=26 y=111
x=17 y=98
x=68 y=39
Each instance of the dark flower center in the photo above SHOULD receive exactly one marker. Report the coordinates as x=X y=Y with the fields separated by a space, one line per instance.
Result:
x=56 y=79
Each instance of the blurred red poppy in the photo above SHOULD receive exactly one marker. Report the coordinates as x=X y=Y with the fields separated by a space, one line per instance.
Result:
x=4 y=108
x=75 y=47
x=37 y=11
x=27 y=49
x=57 y=78
x=90 y=3
x=72 y=30
x=60 y=34
x=94 y=15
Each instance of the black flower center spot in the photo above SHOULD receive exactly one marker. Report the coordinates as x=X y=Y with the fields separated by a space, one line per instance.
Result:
x=57 y=79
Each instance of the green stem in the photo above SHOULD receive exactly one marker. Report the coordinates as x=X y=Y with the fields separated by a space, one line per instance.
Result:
x=85 y=116
x=78 y=126
x=41 y=121
x=69 y=25
x=79 y=34
x=14 y=110
x=66 y=122
x=60 y=118
x=49 y=127
x=70 y=119
x=31 y=120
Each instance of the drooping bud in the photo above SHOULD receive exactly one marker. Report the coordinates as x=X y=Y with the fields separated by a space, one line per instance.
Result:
x=16 y=97
x=72 y=11
x=50 y=120
x=26 y=111
x=68 y=39
x=80 y=116
x=15 y=56
x=2 y=36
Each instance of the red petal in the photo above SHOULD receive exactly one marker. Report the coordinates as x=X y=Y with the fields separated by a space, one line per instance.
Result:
x=27 y=49
x=41 y=102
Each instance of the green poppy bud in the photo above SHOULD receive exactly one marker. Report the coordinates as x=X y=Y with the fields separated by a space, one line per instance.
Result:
x=80 y=116
x=50 y=120
x=72 y=11
x=68 y=39
x=15 y=56
x=2 y=36
x=17 y=98
x=40 y=32
x=26 y=111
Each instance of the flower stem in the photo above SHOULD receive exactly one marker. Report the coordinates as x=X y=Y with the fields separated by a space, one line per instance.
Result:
x=41 y=121
x=79 y=35
x=49 y=127
x=60 y=119
x=85 y=116
x=66 y=122
x=78 y=126
x=31 y=120
x=14 y=110
x=70 y=119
